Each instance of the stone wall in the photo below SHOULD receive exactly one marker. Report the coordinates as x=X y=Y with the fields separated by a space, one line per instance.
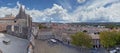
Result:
x=21 y=32
x=4 y=24
x=31 y=44
x=32 y=39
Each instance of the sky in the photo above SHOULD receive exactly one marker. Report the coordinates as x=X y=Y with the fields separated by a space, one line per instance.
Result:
x=65 y=10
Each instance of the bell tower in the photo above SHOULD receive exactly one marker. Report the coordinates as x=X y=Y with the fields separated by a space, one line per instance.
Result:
x=21 y=14
x=21 y=10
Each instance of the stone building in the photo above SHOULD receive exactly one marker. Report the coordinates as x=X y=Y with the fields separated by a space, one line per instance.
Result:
x=19 y=26
x=4 y=22
x=95 y=40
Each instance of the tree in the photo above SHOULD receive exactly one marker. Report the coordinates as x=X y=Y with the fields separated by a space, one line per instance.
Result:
x=41 y=26
x=118 y=38
x=112 y=26
x=109 y=38
x=81 y=39
x=84 y=31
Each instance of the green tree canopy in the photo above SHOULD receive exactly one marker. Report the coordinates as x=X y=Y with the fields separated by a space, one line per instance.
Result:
x=81 y=39
x=109 y=38
x=41 y=26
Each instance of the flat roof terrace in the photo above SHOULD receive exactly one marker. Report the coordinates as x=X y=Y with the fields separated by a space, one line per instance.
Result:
x=45 y=47
x=16 y=45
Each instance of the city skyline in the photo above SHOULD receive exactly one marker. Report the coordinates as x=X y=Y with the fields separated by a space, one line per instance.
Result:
x=65 y=10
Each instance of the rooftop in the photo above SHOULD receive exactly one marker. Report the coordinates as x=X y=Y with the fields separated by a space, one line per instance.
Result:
x=16 y=45
x=46 y=47
x=94 y=36
x=8 y=17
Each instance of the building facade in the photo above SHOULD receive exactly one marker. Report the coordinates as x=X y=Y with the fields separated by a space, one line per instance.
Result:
x=4 y=22
x=19 y=26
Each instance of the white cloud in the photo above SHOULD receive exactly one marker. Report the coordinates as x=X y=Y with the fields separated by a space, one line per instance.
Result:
x=18 y=4
x=65 y=4
x=94 y=12
x=81 y=1
x=55 y=13
x=6 y=11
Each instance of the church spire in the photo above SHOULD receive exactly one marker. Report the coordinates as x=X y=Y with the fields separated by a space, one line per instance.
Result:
x=21 y=10
x=21 y=13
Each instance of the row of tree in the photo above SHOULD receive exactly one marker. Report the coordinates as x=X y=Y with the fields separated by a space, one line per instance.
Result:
x=81 y=39
x=107 y=39
x=110 y=38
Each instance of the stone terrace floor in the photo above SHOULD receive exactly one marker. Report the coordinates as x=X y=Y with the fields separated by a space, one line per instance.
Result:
x=45 y=47
x=16 y=45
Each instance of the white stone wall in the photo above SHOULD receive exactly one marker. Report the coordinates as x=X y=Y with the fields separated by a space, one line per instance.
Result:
x=31 y=44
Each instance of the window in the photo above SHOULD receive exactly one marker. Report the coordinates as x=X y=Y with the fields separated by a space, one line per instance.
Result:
x=12 y=28
x=20 y=29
